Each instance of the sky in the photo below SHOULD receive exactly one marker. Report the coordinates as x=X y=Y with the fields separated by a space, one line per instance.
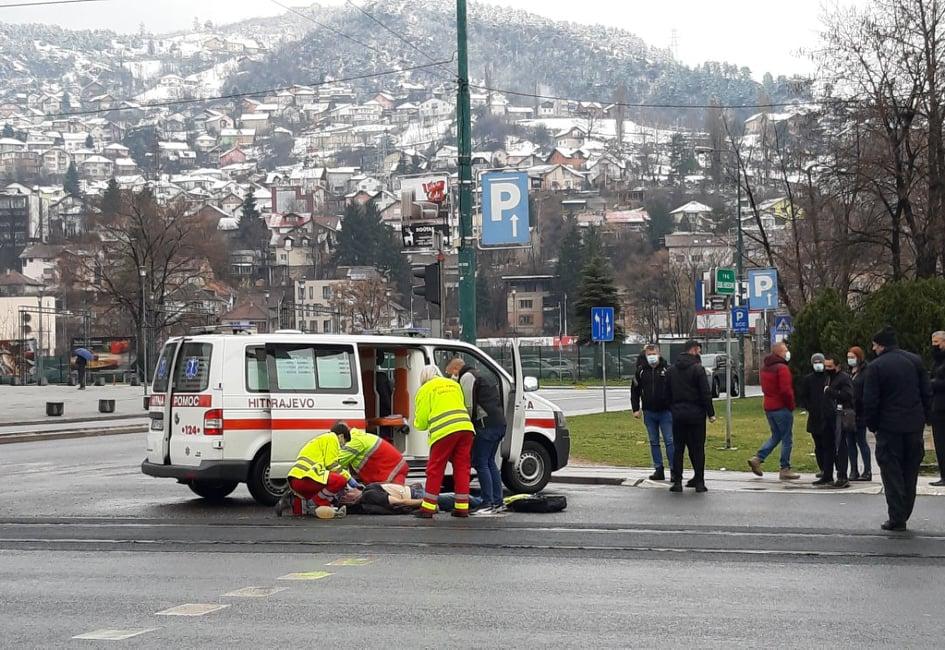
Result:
x=765 y=35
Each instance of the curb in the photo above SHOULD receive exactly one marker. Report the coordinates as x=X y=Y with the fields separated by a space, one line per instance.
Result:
x=13 y=438
x=51 y=420
x=587 y=480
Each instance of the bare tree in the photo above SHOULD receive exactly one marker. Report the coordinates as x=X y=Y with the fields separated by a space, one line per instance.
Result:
x=363 y=304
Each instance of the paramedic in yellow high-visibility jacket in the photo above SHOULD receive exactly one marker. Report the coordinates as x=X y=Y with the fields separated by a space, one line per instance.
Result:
x=440 y=409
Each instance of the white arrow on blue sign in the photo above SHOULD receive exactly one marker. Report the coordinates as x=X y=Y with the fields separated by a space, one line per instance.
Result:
x=505 y=218
x=602 y=324
x=763 y=289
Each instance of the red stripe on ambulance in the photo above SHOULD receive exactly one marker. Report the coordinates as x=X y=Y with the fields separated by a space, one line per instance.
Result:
x=192 y=400
x=285 y=424
x=540 y=423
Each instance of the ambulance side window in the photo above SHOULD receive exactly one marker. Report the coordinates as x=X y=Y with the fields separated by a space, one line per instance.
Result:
x=445 y=355
x=162 y=371
x=307 y=369
x=257 y=377
x=192 y=372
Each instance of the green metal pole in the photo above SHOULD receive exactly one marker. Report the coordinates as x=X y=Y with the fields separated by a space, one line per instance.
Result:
x=467 y=250
x=739 y=270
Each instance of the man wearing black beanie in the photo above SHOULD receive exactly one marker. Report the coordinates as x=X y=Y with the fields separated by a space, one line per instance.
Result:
x=897 y=400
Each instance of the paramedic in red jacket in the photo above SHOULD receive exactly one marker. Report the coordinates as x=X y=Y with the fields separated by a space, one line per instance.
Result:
x=777 y=385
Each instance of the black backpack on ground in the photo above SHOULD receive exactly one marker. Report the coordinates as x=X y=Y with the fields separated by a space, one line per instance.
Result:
x=537 y=503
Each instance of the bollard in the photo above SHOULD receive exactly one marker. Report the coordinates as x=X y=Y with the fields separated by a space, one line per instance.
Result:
x=106 y=406
x=54 y=409
x=43 y=381
x=100 y=380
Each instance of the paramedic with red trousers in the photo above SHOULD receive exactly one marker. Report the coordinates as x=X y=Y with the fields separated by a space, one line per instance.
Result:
x=440 y=409
x=368 y=457
x=316 y=474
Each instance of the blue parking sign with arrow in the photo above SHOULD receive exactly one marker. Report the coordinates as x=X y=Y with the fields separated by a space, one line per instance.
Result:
x=505 y=218
x=602 y=324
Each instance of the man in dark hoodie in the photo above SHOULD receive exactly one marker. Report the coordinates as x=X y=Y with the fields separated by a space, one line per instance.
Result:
x=838 y=396
x=938 y=403
x=649 y=383
x=690 y=402
x=897 y=399
x=777 y=385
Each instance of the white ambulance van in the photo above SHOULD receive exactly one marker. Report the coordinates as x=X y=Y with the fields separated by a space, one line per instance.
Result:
x=237 y=408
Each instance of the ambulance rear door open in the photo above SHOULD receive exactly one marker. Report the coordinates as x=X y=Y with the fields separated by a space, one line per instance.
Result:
x=515 y=410
x=311 y=386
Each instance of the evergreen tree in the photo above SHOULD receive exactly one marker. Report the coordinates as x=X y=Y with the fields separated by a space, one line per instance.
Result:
x=110 y=203
x=7 y=130
x=252 y=231
x=681 y=159
x=570 y=259
x=66 y=103
x=89 y=142
x=365 y=240
x=71 y=182
x=597 y=290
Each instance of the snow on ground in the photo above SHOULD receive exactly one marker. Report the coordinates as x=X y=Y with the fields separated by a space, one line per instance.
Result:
x=210 y=81
x=420 y=136
x=143 y=70
x=605 y=129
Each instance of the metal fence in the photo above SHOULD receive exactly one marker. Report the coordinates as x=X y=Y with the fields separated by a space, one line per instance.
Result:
x=585 y=364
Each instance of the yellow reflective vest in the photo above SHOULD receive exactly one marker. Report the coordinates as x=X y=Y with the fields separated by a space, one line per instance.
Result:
x=318 y=458
x=440 y=409
x=357 y=450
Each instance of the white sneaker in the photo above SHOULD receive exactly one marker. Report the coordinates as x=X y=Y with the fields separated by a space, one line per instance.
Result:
x=483 y=512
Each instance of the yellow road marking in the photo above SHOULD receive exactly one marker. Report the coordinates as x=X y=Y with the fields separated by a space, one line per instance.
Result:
x=306 y=575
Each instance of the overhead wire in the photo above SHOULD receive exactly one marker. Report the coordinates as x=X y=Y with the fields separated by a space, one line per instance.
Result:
x=46 y=3
x=515 y=93
x=239 y=95
x=393 y=32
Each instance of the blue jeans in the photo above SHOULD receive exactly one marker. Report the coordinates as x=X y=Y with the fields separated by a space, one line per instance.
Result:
x=654 y=422
x=485 y=448
x=857 y=439
x=782 y=432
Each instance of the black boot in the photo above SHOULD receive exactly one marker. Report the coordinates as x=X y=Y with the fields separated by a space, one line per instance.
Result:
x=855 y=475
x=676 y=487
x=658 y=475
x=865 y=477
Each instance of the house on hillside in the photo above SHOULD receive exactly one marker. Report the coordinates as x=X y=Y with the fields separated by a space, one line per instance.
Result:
x=570 y=139
x=556 y=178
x=692 y=217
x=575 y=159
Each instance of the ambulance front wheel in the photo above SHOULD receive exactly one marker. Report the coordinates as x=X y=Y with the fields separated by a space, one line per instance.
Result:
x=532 y=472
x=264 y=489
x=212 y=490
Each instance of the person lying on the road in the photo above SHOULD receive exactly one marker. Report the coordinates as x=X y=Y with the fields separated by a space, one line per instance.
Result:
x=316 y=476
x=387 y=499
x=368 y=457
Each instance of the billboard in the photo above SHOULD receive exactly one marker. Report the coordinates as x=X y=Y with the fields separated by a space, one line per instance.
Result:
x=112 y=353
x=425 y=197
x=17 y=358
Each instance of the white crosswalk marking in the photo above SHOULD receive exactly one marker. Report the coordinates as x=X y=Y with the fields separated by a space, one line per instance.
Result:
x=113 y=635
x=191 y=609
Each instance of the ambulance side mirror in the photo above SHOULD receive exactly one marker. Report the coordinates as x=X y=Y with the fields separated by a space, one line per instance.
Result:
x=531 y=384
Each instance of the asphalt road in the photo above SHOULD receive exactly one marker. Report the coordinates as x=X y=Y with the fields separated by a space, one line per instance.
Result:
x=86 y=537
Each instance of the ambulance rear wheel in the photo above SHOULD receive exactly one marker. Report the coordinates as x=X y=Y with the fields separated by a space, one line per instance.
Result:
x=212 y=490
x=532 y=472
x=264 y=489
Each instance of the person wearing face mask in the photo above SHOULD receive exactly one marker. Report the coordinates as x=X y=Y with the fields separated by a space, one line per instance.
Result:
x=856 y=439
x=838 y=397
x=897 y=401
x=811 y=397
x=938 y=403
x=649 y=385
x=777 y=385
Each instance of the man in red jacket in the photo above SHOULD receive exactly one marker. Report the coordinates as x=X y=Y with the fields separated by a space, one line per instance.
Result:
x=778 y=388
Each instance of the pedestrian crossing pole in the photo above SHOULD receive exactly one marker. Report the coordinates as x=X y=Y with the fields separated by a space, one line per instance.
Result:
x=467 y=250
x=728 y=375
x=603 y=365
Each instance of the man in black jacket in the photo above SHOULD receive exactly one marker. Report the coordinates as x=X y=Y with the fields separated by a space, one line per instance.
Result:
x=838 y=395
x=811 y=397
x=690 y=402
x=897 y=399
x=938 y=403
x=649 y=384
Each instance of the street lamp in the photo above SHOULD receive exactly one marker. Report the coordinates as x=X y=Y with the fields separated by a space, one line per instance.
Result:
x=142 y=332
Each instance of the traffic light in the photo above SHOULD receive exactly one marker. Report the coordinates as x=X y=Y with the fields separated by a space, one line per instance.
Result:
x=430 y=289
x=25 y=319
